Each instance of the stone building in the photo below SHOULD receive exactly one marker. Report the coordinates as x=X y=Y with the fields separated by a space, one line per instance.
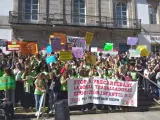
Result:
x=109 y=20
x=149 y=13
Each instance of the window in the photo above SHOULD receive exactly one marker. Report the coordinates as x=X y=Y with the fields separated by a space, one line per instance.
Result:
x=31 y=9
x=153 y=15
x=121 y=13
x=79 y=11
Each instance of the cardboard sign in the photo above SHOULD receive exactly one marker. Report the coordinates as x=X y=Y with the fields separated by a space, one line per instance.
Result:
x=49 y=49
x=89 y=38
x=134 y=53
x=28 y=48
x=132 y=41
x=56 y=44
x=61 y=36
x=50 y=59
x=77 y=52
x=76 y=41
x=108 y=46
x=65 y=55
x=13 y=46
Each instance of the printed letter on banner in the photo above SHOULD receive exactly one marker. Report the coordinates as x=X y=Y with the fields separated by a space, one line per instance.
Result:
x=101 y=91
x=65 y=55
x=89 y=38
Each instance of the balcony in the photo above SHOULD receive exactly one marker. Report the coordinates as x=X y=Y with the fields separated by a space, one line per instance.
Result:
x=73 y=20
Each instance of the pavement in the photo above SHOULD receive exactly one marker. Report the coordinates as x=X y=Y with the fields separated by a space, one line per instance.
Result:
x=117 y=116
x=153 y=115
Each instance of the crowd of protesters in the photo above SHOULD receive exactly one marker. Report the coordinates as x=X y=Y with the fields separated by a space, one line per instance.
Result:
x=34 y=77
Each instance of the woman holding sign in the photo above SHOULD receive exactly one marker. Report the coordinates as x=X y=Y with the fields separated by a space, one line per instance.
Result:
x=40 y=88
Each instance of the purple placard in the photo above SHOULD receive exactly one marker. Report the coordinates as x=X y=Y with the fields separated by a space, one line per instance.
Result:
x=77 y=52
x=132 y=41
x=56 y=44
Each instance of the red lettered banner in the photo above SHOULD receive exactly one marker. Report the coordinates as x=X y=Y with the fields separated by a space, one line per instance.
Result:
x=100 y=91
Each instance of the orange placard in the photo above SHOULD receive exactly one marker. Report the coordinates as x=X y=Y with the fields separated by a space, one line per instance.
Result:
x=28 y=48
x=61 y=36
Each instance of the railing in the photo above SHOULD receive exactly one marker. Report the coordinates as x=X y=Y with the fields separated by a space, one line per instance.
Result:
x=75 y=20
x=150 y=87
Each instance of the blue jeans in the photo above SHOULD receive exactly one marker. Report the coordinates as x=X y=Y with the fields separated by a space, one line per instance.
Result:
x=52 y=99
x=37 y=99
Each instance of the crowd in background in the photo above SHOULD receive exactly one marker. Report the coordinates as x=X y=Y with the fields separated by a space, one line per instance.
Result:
x=33 y=76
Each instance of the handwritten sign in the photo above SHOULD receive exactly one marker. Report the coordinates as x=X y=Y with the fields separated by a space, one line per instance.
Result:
x=65 y=55
x=61 y=36
x=76 y=41
x=28 y=48
x=56 y=44
x=77 y=52
x=13 y=46
x=89 y=38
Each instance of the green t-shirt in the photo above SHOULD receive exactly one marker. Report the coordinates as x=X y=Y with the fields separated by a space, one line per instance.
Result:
x=41 y=85
x=133 y=75
x=64 y=86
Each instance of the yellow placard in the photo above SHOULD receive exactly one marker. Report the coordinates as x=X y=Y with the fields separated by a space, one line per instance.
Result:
x=139 y=47
x=65 y=55
x=93 y=59
x=89 y=38
x=13 y=46
x=144 y=52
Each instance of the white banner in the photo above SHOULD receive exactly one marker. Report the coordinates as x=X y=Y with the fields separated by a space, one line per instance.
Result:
x=100 y=91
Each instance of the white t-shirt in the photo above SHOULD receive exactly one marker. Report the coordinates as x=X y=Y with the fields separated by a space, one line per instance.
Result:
x=146 y=72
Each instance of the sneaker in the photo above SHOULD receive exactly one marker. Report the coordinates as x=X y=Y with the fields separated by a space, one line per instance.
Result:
x=36 y=114
x=50 y=112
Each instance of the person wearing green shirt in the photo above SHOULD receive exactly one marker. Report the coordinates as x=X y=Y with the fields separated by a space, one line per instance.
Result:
x=10 y=91
x=40 y=88
x=28 y=88
x=63 y=89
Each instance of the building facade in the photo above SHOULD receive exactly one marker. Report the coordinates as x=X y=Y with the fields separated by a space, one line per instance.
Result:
x=149 y=13
x=109 y=20
x=5 y=29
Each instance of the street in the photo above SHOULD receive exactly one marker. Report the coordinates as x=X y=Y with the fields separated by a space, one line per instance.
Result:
x=118 y=116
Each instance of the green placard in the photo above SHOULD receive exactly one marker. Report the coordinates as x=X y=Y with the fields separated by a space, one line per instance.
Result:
x=7 y=82
x=14 y=43
x=108 y=46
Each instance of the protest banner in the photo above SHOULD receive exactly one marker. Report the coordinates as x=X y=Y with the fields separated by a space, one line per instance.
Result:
x=77 y=52
x=56 y=44
x=13 y=46
x=7 y=82
x=76 y=41
x=101 y=91
x=89 y=38
x=28 y=48
x=132 y=41
x=61 y=36
x=50 y=59
x=65 y=55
